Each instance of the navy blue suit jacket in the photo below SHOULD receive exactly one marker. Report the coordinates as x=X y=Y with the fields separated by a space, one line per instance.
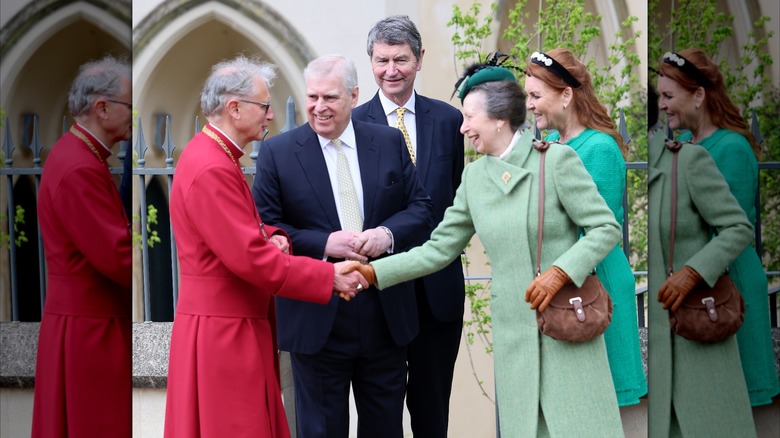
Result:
x=292 y=190
x=440 y=164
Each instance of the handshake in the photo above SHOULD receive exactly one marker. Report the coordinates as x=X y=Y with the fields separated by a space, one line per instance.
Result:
x=351 y=278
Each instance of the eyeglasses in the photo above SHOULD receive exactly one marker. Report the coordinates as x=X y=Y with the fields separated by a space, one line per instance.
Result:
x=262 y=105
x=127 y=104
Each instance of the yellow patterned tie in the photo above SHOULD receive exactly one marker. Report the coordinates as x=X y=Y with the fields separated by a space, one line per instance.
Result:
x=400 y=125
x=352 y=218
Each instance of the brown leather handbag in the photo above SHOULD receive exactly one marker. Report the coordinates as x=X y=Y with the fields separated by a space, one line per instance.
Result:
x=707 y=314
x=575 y=314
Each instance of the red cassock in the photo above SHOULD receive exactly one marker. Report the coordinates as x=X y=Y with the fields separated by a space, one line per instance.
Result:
x=83 y=379
x=223 y=374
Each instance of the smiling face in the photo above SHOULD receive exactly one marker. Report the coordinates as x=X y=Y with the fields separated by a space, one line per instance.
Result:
x=328 y=105
x=678 y=103
x=395 y=68
x=545 y=103
x=479 y=127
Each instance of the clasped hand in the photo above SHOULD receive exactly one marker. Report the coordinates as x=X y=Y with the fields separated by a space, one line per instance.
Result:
x=357 y=246
x=677 y=286
x=372 y=242
x=544 y=287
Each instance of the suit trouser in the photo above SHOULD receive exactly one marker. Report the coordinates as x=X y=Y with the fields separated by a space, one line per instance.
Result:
x=361 y=352
x=431 y=359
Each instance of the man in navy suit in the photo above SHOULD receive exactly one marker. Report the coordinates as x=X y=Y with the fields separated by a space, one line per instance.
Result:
x=433 y=128
x=302 y=185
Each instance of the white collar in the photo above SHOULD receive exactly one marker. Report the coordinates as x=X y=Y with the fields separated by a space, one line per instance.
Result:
x=347 y=137
x=512 y=143
x=389 y=107
x=227 y=137
x=96 y=137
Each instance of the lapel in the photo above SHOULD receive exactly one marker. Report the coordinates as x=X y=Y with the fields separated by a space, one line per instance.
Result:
x=655 y=150
x=713 y=139
x=424 y=119
x=375 y=113
x=507 y=174
x=582 y=138
x=309 y=155
x=659 y=175
x=368 y=157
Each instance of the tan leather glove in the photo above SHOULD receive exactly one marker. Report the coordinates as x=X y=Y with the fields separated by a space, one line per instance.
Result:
x=541 y=291
x=676 y=287
x=366 y=270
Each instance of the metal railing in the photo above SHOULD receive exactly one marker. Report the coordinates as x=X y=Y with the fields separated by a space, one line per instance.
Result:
x=142 y=172
x=36 y=147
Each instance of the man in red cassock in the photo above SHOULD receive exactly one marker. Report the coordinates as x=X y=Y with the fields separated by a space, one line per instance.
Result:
x=223 y=375
x=83 y=370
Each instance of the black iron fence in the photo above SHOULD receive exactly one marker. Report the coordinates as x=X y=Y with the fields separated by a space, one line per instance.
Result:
x=159 y=270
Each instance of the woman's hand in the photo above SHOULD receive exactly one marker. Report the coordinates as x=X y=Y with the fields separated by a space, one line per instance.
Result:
x=544 y=287
x=367 y=270
x=676 y=287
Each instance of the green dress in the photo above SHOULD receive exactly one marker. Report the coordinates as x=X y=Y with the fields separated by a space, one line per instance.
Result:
x=601 y=156
x=736 y=161
x=696 y=389
x=545 y=387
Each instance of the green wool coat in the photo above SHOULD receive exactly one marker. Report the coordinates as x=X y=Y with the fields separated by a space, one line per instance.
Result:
x=696 y=389
x=736 y=161
x=545 y=387
x=603 y=160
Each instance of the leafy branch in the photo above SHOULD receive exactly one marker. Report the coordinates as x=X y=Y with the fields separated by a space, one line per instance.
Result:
x=151 y=234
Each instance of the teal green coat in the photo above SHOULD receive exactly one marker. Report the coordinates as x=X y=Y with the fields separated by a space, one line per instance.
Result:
x=602 y=158
x=567 y=385
x=696 y=389
x=736 y=161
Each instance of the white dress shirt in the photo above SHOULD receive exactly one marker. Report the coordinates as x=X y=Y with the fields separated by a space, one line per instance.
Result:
x=410 y=119
x=349 y=146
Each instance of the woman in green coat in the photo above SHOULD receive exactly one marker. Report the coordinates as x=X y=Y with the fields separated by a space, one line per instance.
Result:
x=697 y=101
x=546 y=387
x=696 y=389
x=562 y=98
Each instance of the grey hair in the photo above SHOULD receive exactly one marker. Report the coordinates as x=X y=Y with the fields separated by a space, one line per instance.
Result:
x=395 y=30
x=234 y=77
x=504 y=100
x=96 y=78
x=329 y=64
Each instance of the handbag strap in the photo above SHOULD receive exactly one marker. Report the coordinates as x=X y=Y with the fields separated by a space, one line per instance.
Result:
x=542 y=147
x=674 y=147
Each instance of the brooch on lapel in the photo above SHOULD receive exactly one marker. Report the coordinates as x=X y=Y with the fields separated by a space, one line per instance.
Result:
x=505 y=177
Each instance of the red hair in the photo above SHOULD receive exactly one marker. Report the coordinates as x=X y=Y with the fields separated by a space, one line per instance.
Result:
x=590 y=112
x=722 y=111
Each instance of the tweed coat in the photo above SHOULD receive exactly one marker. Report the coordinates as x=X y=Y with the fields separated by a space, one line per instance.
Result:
x=602 y=158
x=696 y=389
x=439 y=168
x=736 y=161
x=545 y=386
